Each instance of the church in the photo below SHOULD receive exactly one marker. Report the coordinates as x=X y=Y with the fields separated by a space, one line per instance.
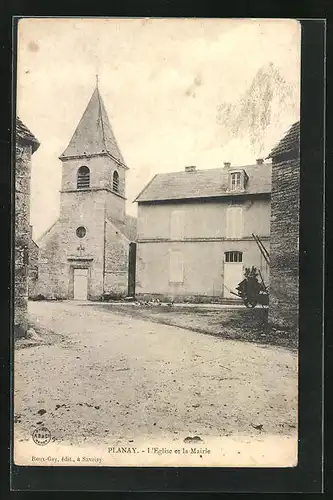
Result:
x=89 y=252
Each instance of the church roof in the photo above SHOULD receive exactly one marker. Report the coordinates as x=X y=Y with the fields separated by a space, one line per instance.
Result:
x=204 y=183
x=24 y=134
x=128 y=228
x=94 y=134
x=289 y=143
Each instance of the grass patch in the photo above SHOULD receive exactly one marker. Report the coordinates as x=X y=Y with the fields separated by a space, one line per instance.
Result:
x=38 y=336
x=247 y=325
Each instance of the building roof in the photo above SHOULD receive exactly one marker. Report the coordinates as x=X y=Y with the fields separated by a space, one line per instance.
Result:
x=94 y=134
x=128 y=228
x=204 y=183
x=289 y=143
x=24 y=134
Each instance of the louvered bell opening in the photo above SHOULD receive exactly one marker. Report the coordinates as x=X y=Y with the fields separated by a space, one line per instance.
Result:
x=83 y=178
x=115 y=182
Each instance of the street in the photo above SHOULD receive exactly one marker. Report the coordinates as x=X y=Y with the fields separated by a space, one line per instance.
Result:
x=112 y=376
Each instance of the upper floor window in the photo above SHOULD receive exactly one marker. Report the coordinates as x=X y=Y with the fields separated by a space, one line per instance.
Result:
x=177 y=225
x=83 y=177
x=237 y=180
x=115 y=181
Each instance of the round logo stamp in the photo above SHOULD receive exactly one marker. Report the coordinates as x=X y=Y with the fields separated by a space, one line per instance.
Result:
x=41 y=436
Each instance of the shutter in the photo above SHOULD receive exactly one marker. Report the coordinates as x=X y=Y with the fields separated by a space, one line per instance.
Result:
x=177 y=225
x=234 y=222
x=230 y=222
x=238 y=222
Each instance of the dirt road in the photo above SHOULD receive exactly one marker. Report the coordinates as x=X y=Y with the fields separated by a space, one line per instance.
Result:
x=112 y=376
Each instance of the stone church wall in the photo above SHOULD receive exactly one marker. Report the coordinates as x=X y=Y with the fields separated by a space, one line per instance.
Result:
x=116 y=263
x=58 y=256
x=52 y=266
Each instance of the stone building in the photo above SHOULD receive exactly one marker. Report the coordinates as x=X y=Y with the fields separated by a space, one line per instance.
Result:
x=284 y=253
x=26 y=145
x=195 y=231
x=33 y=267
x=86 y=253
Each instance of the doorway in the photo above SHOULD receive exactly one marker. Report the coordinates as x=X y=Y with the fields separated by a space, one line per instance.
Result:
x=233 y=272
x=131 y=269
x=80 y=284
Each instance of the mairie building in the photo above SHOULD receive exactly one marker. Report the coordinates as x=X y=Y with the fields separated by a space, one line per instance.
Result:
x=198 y=231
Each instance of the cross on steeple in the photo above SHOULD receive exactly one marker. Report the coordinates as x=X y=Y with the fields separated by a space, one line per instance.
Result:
x=81 y=249
x=96 y=80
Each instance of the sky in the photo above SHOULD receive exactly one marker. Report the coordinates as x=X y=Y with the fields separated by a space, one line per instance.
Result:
x=162 y=82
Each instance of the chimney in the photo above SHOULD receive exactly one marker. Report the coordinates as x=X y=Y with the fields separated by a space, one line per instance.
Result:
x=191 y=168
x=227 y=164
x=260 y=161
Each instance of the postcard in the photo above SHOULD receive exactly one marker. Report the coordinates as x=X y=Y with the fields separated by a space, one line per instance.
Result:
x=157 y=176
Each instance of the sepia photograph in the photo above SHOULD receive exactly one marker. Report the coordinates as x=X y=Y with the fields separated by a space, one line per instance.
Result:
x=156 y=301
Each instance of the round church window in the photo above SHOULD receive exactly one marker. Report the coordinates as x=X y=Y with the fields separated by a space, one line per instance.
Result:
x=81 y=232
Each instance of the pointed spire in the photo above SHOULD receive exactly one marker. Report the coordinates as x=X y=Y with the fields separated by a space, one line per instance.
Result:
x=94 y=134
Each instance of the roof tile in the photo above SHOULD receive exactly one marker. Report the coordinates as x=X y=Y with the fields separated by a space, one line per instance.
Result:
x=288 y=143
x=24 y=134
x=94 y=134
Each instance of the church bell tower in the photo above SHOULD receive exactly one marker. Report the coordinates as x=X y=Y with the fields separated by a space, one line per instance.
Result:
x=92 y=163
x=92 y=196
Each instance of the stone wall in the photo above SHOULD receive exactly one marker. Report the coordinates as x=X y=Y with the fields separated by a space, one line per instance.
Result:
x=59 y=255
x=116 y=263
x=284 y=254
x=22 y=235
x=33 y=269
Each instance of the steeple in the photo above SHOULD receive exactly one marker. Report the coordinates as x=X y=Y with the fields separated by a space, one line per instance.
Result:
x=94 y=134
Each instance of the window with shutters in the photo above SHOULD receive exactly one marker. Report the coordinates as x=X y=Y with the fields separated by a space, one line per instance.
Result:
x=83 y=178
x=177 y=225
x=176 y=267
x=234 y=222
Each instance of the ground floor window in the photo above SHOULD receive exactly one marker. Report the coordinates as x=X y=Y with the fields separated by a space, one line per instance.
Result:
x=233 y=256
